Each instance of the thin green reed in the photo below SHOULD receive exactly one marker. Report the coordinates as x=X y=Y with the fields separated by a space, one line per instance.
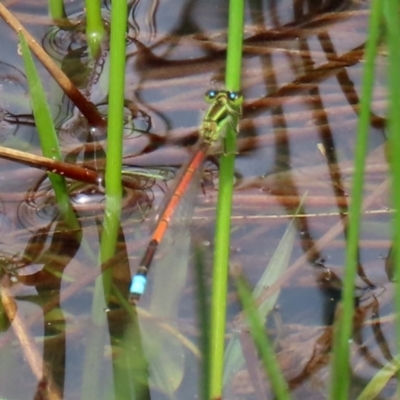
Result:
x=115 y=128
x=340 y=379
x=224 y=206
x=111 y=223
x=391 y=14
x=94 y=26
x=114 y=148
x=203 y=318
x=57 y=10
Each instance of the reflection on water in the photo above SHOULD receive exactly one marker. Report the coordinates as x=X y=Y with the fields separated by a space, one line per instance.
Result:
x=301 y=82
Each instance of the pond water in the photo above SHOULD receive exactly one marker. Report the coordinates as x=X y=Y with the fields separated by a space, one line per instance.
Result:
x=302 y=69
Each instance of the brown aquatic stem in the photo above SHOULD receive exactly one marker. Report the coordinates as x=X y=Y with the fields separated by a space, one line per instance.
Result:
x=71 y=171
x=28 y=344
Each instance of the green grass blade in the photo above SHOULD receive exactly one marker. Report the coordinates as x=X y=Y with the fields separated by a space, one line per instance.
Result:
x=46 y=131
x=44 y=123
x=224 y=206
x=277 y=266
x=391 y=13
x=340 y=380
x=380 y=380
x=263 y=344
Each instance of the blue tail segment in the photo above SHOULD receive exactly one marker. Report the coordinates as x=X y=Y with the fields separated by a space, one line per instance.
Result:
x=139 y=280
x=138 y=286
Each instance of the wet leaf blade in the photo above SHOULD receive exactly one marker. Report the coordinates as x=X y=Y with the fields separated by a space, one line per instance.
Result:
x=277 y=266
x=380 y=380
x=46 y=130
x=263 y=344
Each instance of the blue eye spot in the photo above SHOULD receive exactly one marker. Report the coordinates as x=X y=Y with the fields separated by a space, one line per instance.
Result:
x=211 y=94
x=233 y=96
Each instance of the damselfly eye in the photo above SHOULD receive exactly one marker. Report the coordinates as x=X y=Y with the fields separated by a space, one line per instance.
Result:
x=211 y=95
x=235 y=97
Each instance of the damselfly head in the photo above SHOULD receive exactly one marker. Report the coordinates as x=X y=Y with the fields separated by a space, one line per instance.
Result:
x=235 y=98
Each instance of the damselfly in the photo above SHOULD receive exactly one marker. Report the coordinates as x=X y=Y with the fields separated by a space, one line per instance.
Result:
x=225 y=107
